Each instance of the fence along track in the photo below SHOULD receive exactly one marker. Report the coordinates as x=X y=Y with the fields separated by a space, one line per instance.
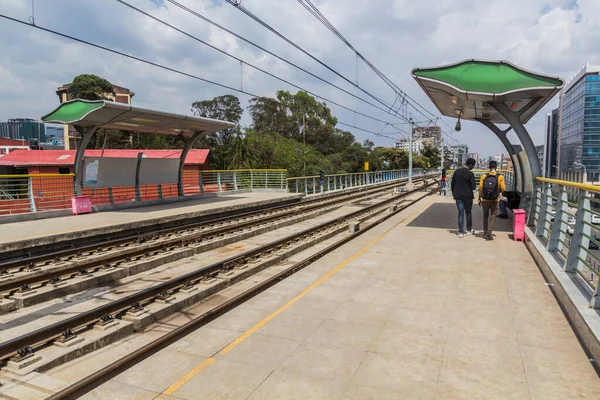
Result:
x=148 y=245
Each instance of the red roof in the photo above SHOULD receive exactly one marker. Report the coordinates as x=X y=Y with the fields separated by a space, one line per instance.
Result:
x=18 y=158
x=12 y=142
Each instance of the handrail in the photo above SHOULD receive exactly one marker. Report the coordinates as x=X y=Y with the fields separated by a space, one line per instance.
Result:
x=33 y=176
x=352 y=173
x=244 y=170
x=574 y=185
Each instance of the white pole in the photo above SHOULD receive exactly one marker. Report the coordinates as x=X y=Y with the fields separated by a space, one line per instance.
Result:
x=442 y=153
x=410 y=149
x=304 y=147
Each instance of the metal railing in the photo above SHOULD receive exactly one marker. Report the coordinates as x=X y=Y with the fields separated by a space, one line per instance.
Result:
x=313 y=184
x=566 y=218
x=509 y=177
x=227 y=180
x=47 y=192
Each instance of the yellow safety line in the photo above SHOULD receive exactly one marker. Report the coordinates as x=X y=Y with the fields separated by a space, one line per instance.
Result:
x=188 y=376
x=265 y=321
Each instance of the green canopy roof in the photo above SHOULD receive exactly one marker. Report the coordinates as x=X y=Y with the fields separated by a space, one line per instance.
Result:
x=467 y=88
x=111 y=115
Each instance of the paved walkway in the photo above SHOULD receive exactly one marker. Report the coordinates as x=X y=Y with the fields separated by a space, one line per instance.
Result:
x=411 y=312
x=113 y=220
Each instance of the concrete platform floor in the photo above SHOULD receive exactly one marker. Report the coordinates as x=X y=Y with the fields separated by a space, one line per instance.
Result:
x=405 y=311
x=108 y=221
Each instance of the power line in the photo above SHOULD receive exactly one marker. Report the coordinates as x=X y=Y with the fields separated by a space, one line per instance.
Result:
x=276 y=32
x=242 y=61
x=139 y=59
x=308 y=5
x=213 y=23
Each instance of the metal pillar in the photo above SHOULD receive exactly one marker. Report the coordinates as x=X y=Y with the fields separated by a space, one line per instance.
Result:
x=501 y=135
x=86 y=136
x=514 y=121
x=186 y=148
x=410 y=149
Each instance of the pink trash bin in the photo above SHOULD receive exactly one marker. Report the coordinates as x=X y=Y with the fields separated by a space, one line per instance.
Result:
x=519 y=225
x=81 y=204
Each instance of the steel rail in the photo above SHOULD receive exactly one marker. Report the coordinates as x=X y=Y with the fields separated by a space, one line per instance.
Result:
x=19 y=263
x=24 y=283
x=93 y=380
x=50 y=332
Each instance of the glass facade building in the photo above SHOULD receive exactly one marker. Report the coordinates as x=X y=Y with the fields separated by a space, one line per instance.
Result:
x=580 y=124
x=550 y=145
x=23 y=129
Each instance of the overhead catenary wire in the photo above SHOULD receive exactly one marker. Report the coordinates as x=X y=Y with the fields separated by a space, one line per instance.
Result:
x=244 y=62
x=294 y=65
x=292 y=43
x=312 y=9
x=152 y=63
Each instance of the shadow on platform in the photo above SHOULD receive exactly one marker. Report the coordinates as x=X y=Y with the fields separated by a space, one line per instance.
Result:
x=445 y=216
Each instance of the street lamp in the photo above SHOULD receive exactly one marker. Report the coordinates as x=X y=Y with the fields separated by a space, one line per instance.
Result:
x=580 y=165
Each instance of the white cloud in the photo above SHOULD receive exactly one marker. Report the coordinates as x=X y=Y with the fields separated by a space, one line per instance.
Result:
x=550 y=36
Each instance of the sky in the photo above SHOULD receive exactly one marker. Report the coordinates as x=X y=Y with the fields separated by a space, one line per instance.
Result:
x=554 y=37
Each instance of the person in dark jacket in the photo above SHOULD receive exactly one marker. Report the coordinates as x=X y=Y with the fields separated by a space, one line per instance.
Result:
x=463 y=186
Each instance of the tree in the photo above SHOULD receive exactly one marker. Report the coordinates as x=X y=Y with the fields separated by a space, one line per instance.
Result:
x=302 y=118
x=90 y=87
x=226 y=108
x=432 y=156
x=368 y=145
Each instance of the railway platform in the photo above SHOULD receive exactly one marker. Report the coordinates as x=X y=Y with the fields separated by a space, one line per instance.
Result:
x=25 y=234
x=405 y=311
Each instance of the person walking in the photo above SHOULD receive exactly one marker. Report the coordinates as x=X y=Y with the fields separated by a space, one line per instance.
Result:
x=491 y=185
x=444 y=184
x=463 y=186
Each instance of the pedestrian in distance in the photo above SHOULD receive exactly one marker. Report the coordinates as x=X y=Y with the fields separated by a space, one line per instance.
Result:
x=491 y=185
x=444 y=183
x=463 y=186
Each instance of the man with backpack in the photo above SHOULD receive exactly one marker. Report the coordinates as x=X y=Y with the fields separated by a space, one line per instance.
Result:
x=490 y=187
x=463 y=186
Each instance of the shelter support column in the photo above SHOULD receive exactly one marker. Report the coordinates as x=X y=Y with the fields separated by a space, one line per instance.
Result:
x=513 y=118
x=86 y=136
x=517 y=167
x=186 y=148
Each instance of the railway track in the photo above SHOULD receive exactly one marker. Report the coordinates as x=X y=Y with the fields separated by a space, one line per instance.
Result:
x=199 y=284
x=21 y=278
x=34 y=255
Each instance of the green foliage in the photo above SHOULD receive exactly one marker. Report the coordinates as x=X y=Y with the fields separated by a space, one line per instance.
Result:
x=90 y=87
x=226 y=108
x=432 y=155
x=287 y=131
x=271 y=150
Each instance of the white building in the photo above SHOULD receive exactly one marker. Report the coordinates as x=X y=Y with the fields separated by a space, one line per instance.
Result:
x=403 y=144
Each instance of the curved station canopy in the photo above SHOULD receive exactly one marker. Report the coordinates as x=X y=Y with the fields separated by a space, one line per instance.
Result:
x=110 y=115
x=467 y=88
x=86 y=116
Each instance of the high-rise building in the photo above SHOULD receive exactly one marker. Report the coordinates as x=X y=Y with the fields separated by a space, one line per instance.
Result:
x=121 y=95
x=540 y=150
x=23 y=129
x=402 y=144
x=474 y=156
x=579 y=127
x=431 y=135
x=551 y=145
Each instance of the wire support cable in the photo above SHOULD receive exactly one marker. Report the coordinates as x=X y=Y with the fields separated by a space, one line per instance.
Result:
x=152 y=63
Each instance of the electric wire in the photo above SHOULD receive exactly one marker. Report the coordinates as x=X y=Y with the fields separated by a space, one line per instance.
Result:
x=312 y=9
x=250 y=42
x=244 y=62
x=277 y=33
x=139 y=59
